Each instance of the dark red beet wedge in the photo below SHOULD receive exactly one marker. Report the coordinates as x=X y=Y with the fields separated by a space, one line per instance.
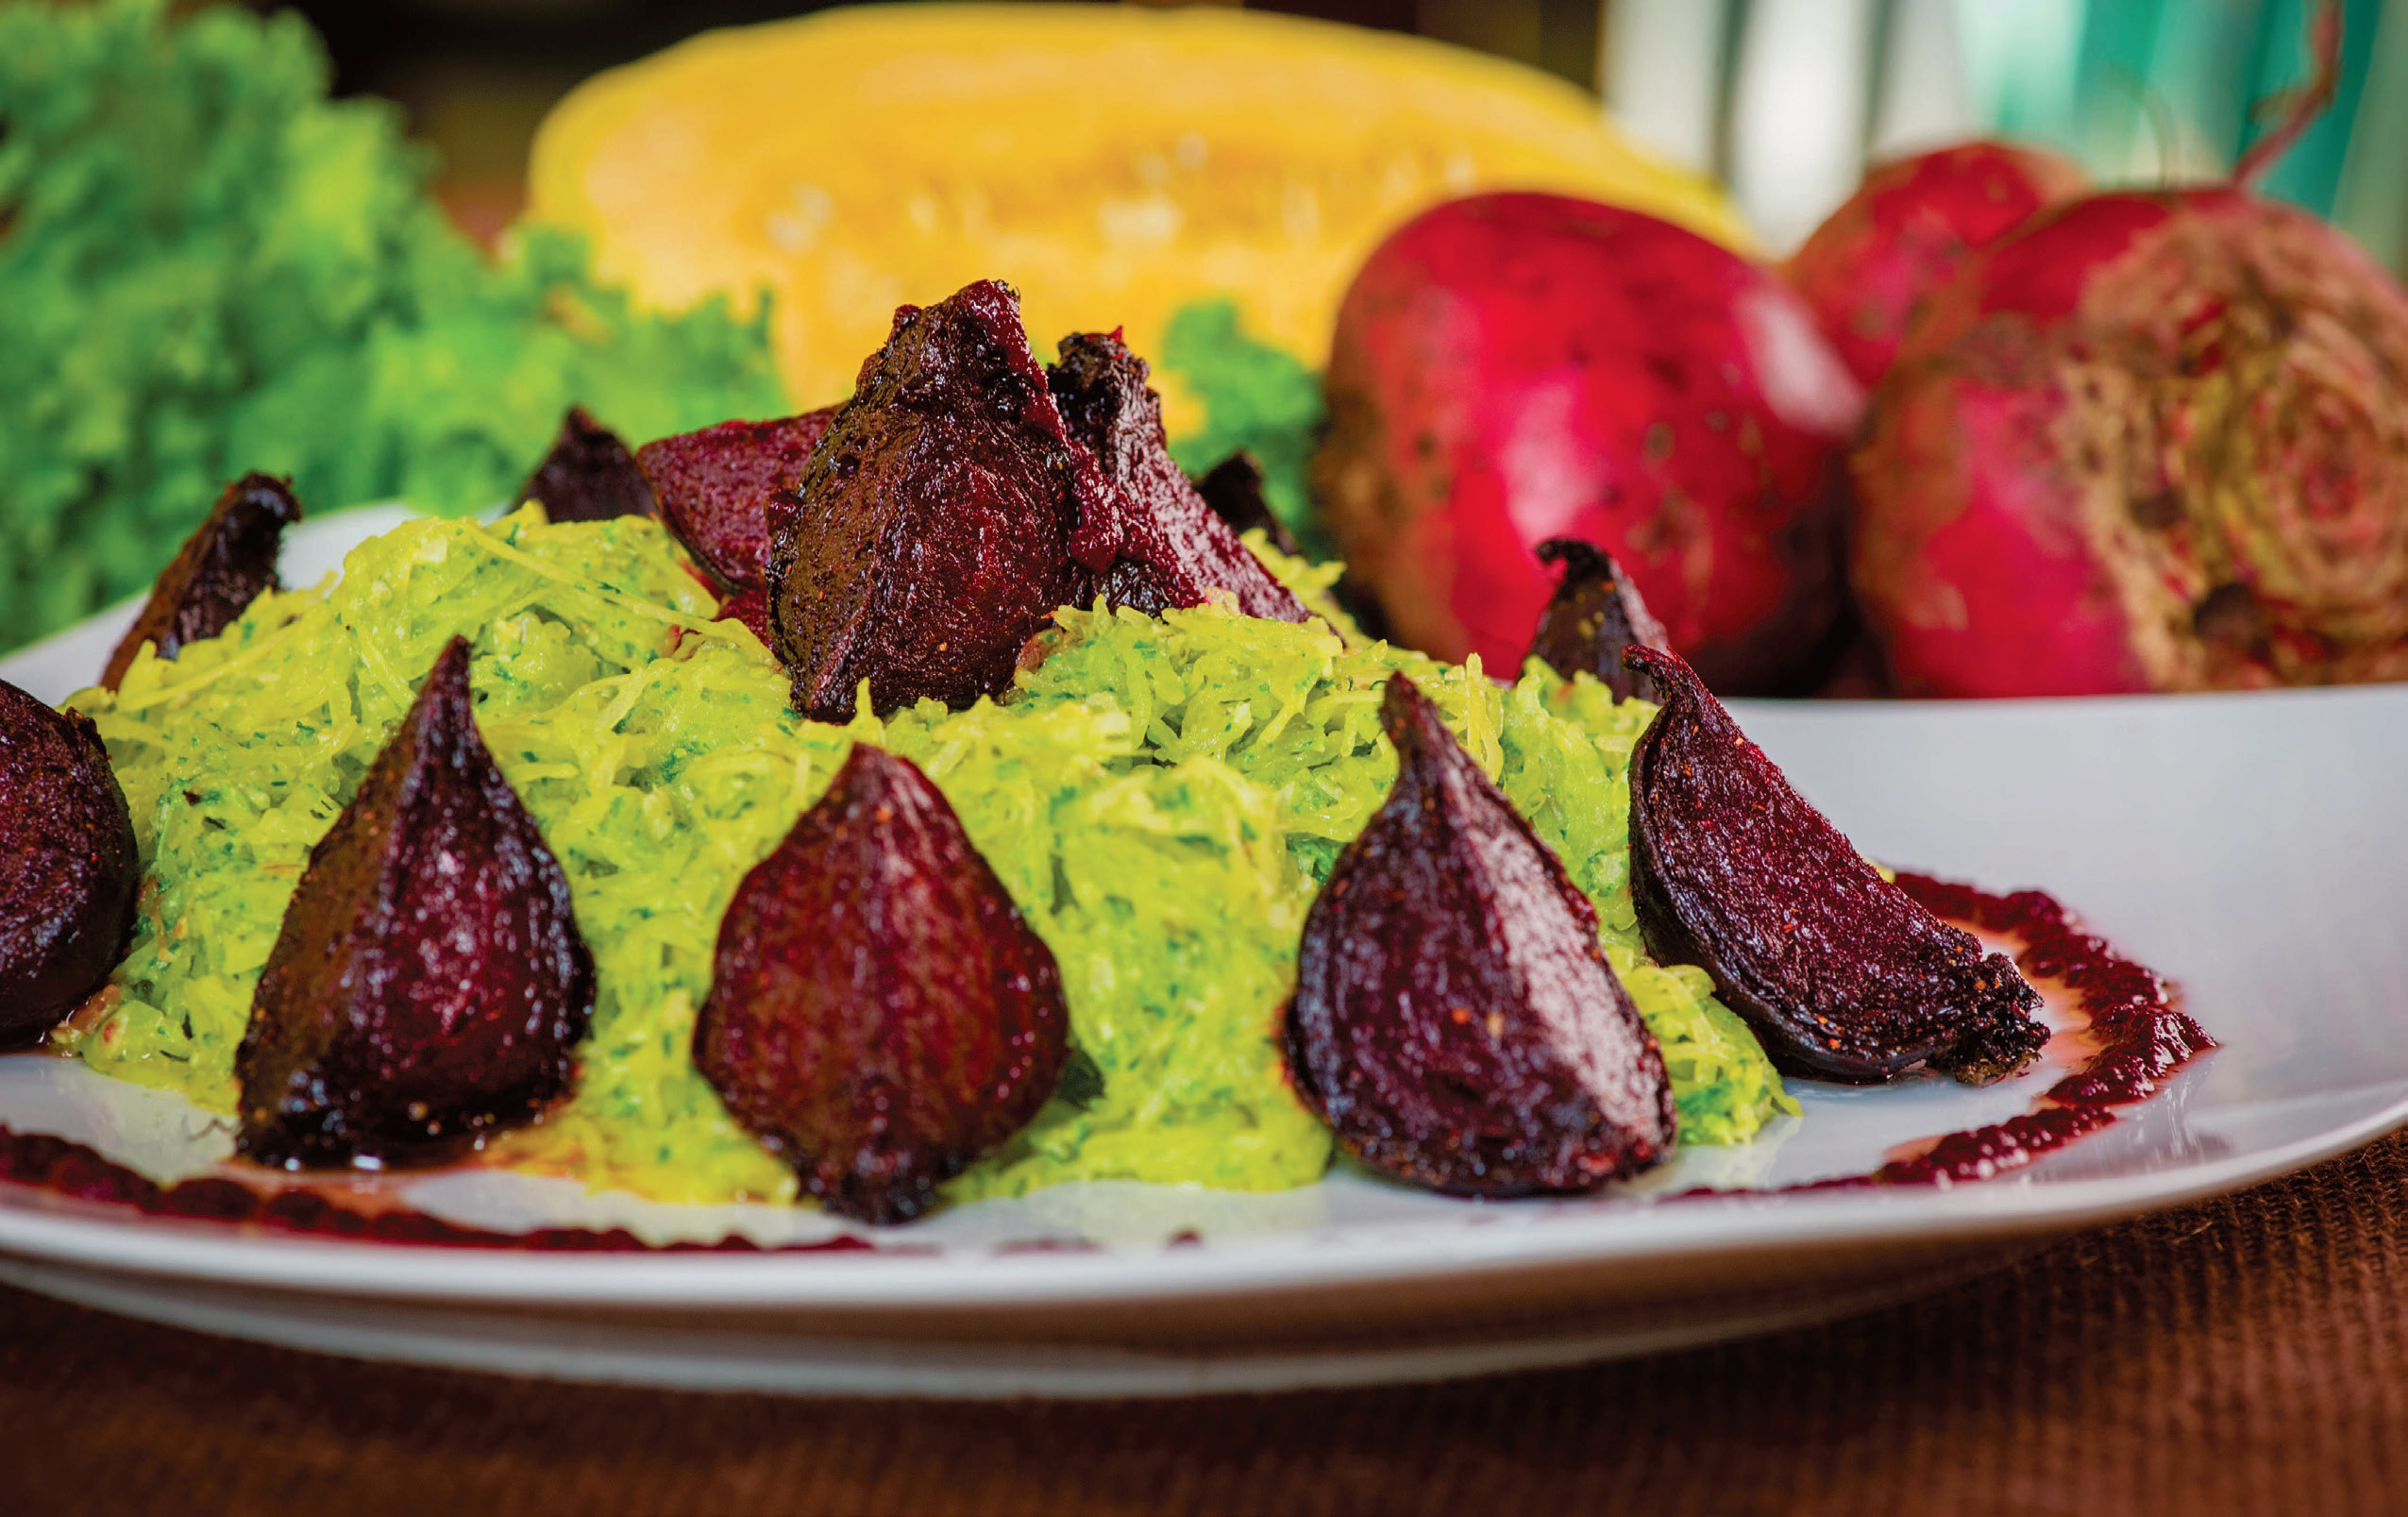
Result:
x=1158 y=543
x=589 y=474
x=1455 y=1022
x=933 y=537
x=714 y=487
x=879 y=1015
x=430 y=979
x=1597 y=613
x=751 y=607
x=1843 y=974
x=220 y=570
x=1234 y=489
x=68 y=868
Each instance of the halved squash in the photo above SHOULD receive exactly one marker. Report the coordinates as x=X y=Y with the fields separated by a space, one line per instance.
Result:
x=1114 y=162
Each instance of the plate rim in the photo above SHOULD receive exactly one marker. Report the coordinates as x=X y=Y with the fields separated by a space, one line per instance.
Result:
x=977 y=1277
x=1353 y=1255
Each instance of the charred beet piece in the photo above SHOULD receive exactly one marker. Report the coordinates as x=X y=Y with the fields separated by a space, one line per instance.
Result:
x=932 y=534
x=879 y=1013
x=715 y=487
x=1597 y=613
x=1455 y=1021
x=68 y=868
x=1845 y=977
x=1234 y=489
x=430 y=979
x=220 y=570
x=589 y=474
x=1158 y=543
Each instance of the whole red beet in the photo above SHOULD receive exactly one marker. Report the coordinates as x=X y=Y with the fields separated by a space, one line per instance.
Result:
x=1509 y=368
x=1910 y=225
x=2152 y=442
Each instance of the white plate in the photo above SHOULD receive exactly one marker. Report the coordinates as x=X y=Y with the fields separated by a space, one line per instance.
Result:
x=2254 y=848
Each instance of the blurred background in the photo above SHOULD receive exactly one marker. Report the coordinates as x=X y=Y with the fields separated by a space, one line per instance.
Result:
x=1783 y=99
x=676 y=215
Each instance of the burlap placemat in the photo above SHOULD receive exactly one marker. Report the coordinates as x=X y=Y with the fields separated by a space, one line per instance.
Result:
x=2246 y=1355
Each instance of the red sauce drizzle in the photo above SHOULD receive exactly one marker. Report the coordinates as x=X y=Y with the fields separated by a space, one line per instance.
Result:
x=66 y=1168
x=2139 y=1037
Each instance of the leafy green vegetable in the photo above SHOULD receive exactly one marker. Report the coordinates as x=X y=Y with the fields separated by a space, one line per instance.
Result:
x=1160 y=796
x=207 y=267
x=1254 y=396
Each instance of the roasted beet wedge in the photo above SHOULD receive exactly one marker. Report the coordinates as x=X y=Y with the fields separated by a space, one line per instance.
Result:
x=221 y=569
x=751 y=607
x=879 y=1013
x=1597 y=613
x=932 y=534
x=1158 y=543
x=715 y=487
x=68 y=868
x=1455 y=1022
x=589 y=474
x=1843 y=975
x=1234 y=489
x=430 y=979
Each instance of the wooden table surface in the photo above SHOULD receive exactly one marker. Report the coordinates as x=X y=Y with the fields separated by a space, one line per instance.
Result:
x=2245 y=1355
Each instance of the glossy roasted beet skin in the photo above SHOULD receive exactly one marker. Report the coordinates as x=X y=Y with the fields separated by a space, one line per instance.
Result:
x=1234 y=489
x=1455 y=1022
x=933 y=535
x=1595 y=614
x=220 y=570
x=589 y=474
x=68 y=868
x=1843 y=975
x=751 y=605
x=430 y=980
x=879 y=1015
x=715 y=488
x=1159 y=544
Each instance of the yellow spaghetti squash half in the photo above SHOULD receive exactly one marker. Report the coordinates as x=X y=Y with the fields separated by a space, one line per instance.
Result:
x=1114 y=162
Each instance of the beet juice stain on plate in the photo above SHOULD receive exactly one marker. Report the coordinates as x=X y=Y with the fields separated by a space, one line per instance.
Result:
x=2140 y=1037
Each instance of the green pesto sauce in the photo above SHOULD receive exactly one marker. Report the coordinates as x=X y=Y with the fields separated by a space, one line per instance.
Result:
x=1161 y=797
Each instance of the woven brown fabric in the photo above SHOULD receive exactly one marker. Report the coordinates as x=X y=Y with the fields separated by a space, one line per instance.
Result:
x=2245 y=1355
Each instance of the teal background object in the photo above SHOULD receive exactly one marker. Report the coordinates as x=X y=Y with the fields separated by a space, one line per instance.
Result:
x=2144 y=91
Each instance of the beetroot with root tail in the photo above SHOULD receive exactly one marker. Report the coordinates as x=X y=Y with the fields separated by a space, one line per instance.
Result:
x=1509 y=368
x=2152 y=442
x=1910 y=226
